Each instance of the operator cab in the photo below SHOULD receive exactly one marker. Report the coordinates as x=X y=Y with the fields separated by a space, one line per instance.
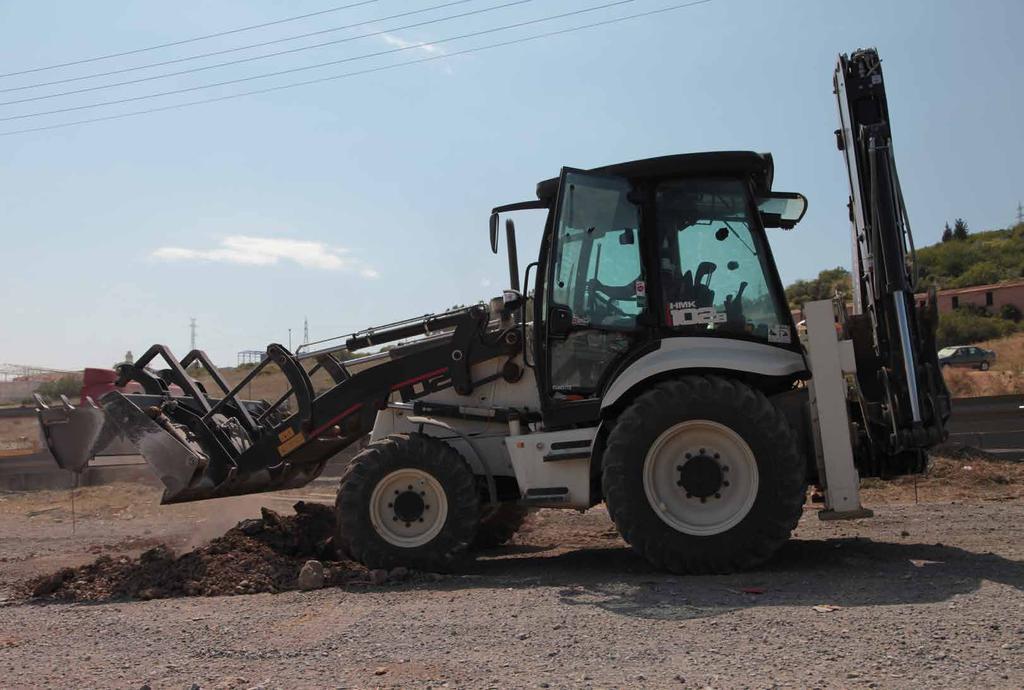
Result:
x=640 y=252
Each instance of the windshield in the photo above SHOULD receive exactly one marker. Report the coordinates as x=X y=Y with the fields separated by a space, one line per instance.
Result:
x=715 y=268
x=947 y=351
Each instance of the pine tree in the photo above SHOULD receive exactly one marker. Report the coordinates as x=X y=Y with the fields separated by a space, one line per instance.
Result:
x=960 y=229
x=947 y=234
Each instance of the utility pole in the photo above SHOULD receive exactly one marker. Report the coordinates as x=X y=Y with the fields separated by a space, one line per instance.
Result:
x=192 y=331
x=1020 y=213
x=305 y=330
x=289 y=339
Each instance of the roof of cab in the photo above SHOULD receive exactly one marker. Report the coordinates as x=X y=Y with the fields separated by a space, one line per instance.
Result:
x=759 y=166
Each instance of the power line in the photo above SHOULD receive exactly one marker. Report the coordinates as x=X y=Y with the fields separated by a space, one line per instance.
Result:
x=269 y=55
x=372 y=70
x=190 y=40
x=293 y=70
x=220 y=52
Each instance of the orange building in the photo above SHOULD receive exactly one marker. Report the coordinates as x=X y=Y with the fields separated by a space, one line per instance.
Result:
x=989 y=297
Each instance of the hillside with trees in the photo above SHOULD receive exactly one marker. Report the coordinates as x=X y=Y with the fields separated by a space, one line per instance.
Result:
x=828 y=282
x=961 y=259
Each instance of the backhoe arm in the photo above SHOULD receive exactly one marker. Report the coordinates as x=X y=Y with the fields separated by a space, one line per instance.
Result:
x=902 y=400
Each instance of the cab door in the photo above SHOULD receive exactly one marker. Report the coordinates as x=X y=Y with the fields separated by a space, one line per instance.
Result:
x=596 y=289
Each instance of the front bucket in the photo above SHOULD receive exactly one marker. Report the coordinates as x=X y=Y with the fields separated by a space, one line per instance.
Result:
x=174 y=463
x=74 y=435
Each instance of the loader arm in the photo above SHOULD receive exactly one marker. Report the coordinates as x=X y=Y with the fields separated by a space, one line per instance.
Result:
x=205 y=446
x=902 y=403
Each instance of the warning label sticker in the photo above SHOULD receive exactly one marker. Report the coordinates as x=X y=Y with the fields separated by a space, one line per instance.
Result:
x=779 y=334
x=291 y=444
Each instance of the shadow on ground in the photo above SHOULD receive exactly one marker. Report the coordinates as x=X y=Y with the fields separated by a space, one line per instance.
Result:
x=841 y=572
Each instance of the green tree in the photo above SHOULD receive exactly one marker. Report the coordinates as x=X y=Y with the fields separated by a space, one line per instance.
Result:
x=960 y=327
x=981 y=273
x=69 y=385
x=826 y=285
x=960 y=229
x=1011 y=313
x=947 y=234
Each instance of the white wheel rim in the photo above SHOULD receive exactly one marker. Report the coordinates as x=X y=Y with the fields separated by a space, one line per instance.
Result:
x=709 y=445
x=408 y=508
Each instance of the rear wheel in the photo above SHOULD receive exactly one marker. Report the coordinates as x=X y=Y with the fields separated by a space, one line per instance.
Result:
x=983 y=366
x=702 y=474
x=498 y=527
x=407 y=500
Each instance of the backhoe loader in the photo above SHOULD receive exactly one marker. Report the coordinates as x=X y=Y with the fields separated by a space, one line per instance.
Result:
x=647 y=359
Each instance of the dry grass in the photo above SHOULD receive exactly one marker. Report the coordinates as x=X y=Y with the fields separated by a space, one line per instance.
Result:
x=968 y=383
x=1009 y=352
x=19 y=433
x=950 y=479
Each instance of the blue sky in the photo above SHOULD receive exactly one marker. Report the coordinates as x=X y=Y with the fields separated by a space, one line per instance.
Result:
x=364 y=200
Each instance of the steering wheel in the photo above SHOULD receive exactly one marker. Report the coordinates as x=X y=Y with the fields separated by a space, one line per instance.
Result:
x=604 y=301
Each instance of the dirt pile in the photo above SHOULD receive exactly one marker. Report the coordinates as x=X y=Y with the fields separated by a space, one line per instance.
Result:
x=258 y=555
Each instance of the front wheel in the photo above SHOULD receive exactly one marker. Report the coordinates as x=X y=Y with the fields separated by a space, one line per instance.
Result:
x=407 y=500
x=983 y=366
x=703 y=475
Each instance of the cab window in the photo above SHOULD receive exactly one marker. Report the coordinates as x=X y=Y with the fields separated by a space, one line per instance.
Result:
x=597 y=274
x=714 y=263
x=597 y=271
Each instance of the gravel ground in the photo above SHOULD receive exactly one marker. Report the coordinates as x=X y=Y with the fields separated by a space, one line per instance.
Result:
x=929 y=595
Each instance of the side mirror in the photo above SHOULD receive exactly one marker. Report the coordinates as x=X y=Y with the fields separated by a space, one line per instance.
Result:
x=782 y=209
x=627 y=237
x=494 y=232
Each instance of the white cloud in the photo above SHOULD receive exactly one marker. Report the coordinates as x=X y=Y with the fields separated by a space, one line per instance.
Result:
x=428 y=48
x=399 y=42
x=268 y=251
